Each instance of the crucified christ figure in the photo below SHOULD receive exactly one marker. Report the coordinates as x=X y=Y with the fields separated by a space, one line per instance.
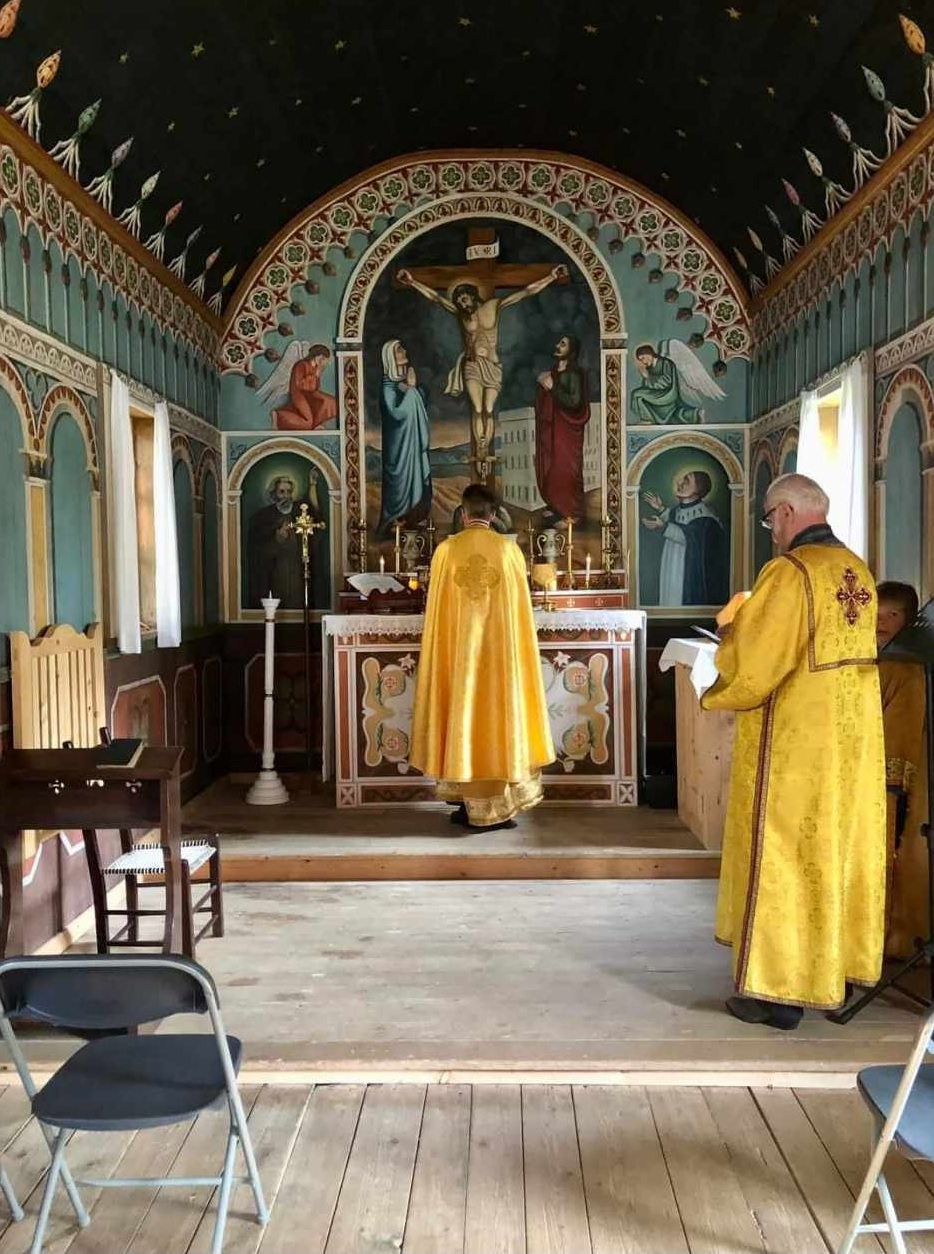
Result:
x=478 y=371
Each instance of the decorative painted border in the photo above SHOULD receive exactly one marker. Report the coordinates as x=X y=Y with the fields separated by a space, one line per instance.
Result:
x=902 y=187
x=179 y=419
x=55 y=215
x=913 y=344
x=565 y=234
x=776 y=419
x=28 y=344
x=363 y=205
x=912 y=384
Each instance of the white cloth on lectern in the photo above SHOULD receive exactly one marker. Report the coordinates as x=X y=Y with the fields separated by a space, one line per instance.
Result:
x=698 y=656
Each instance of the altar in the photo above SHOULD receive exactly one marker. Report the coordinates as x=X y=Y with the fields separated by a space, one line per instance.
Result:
x=593 y=661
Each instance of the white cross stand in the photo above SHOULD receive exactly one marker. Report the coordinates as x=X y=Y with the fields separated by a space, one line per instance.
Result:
x=268 y=789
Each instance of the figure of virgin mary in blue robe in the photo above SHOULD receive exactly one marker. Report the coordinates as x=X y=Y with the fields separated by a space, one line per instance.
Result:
x=406 y=432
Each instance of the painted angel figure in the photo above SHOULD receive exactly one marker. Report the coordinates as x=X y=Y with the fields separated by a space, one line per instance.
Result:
x=675 y=385
x=296 y=381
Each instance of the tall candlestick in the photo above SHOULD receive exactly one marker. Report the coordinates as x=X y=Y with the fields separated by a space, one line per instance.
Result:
x=382 y=564
x=268 y=789
x=397 y=548
x=570 y=552
x=587 y=570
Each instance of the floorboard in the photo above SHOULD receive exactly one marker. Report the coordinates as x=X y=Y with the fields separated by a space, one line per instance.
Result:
x=486 y=1169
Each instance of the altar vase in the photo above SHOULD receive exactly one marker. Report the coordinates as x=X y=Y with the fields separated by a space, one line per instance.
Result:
x=802 y=885
x=481 y=723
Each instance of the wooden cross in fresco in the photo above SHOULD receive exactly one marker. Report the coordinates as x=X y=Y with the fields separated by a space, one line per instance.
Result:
x=486 y=272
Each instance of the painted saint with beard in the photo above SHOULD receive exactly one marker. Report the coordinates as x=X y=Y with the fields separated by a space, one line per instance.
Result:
x=274 y=550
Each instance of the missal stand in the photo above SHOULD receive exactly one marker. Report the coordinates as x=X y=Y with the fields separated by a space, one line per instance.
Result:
x=913 y=644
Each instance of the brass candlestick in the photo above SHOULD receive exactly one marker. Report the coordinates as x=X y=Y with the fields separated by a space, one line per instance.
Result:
x=397 y=547
x=569 y=548
x=530 y=528
x=430 y=530
x=607 y=548
x=362 y=556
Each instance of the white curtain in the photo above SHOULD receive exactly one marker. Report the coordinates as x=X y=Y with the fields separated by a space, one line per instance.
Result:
x=123 y=518
x=168 y=590
x=841 y=465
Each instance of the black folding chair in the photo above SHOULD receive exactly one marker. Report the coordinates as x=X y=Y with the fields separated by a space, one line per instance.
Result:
x=120 y=1081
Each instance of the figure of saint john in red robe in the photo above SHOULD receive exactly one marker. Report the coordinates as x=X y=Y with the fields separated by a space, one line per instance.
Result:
x=308 y=407
x=562 y=411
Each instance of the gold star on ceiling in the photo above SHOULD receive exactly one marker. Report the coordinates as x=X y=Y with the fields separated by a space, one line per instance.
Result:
x=261 y=163
x=124 y=57
x=236 y=217
x=470 y=81
x=357 y=100
x=664 y=176
x=463 y=21
x=681 y=134
x=207 y=177
x=573 y=134
x=197 y=49
x=273 y=42
x=298 y=101
x=704 y=82
x=735 y=14
x=233 y=111
x=591 y=30
x=340 y=45
x=771 y=90
x=170 y=127
x=581 y=86
x=526 y=52
x=813 y=19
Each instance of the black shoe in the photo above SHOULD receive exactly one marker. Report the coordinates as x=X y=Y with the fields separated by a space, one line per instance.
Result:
x=769 y=1013
x=459 y=816
x=506 y=826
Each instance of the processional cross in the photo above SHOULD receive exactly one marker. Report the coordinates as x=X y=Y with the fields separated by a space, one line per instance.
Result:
x=484 y=271
x=304 y=527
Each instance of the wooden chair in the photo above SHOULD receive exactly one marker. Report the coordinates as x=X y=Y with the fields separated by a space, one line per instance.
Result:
x=59 y=700
x=142 y=866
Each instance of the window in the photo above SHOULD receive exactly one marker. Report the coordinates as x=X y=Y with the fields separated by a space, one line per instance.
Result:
x=142 y=427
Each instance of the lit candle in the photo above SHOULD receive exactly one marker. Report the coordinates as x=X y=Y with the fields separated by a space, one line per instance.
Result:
x=587 y=565
x=382 y=564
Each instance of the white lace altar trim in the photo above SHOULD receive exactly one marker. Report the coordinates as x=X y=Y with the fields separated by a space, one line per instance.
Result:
x=545 y=621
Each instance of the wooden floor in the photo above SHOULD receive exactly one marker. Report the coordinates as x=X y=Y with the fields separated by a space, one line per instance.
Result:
x=487 y=1170
x=309 y=839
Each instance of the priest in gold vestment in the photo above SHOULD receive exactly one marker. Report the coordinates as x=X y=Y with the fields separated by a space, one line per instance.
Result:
x=802 y=886
x=903 y=713
x=481 y=723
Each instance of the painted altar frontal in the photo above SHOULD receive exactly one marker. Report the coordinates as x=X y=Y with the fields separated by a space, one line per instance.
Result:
x=593 y=668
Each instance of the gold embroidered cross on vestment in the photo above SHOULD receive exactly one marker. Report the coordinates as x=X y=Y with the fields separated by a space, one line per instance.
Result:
x=852 y=596
x=476 y=577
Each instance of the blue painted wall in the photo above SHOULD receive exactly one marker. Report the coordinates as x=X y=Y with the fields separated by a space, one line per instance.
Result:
x=903 y=499
x=71 y=530
x=211 y=555
x=184 y=522
x=14 y=579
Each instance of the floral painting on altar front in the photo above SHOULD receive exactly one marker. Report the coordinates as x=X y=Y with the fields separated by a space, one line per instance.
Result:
x=482 y=361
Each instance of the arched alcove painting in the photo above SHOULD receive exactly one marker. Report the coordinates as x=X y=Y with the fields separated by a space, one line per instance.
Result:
x=482 y=351
x=272 y=493
x=904 y=514
x=72 y=543
x=685 y=525
x=184 y=524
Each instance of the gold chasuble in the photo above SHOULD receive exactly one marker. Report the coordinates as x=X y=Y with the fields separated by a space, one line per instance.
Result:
x=481 y=724
x=905 y=777
x=802 y=886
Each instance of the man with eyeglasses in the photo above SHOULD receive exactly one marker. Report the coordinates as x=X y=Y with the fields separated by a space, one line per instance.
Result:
x=802 y=885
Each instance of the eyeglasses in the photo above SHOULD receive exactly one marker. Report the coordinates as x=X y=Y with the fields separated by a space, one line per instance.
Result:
x=766 y=519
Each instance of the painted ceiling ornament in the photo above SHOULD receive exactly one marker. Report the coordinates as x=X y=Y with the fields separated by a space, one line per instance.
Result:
x=25 y=109
x=8 y=15
x=67 y=151
x=755 y=283
x=835 y=195
x=899 y=123
x=771 y=265
x=914 y=38
x=197 y=286
x=156 y=243
x=810 y=222
x=865 y=162
x=101 y=188
x=130 y=218
x=789 y=245
x=178 y=265
x=217 y=299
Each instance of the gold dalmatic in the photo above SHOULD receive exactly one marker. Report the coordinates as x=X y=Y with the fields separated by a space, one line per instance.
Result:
x=802 y=885
x=480 y=727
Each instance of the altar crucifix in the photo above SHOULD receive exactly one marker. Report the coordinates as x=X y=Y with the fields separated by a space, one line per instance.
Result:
x=469 y=293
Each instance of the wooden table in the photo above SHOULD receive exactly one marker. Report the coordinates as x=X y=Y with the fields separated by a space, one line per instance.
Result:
x=64 y=789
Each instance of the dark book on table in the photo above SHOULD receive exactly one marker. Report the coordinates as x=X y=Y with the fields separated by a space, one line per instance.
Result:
x=124 y=752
